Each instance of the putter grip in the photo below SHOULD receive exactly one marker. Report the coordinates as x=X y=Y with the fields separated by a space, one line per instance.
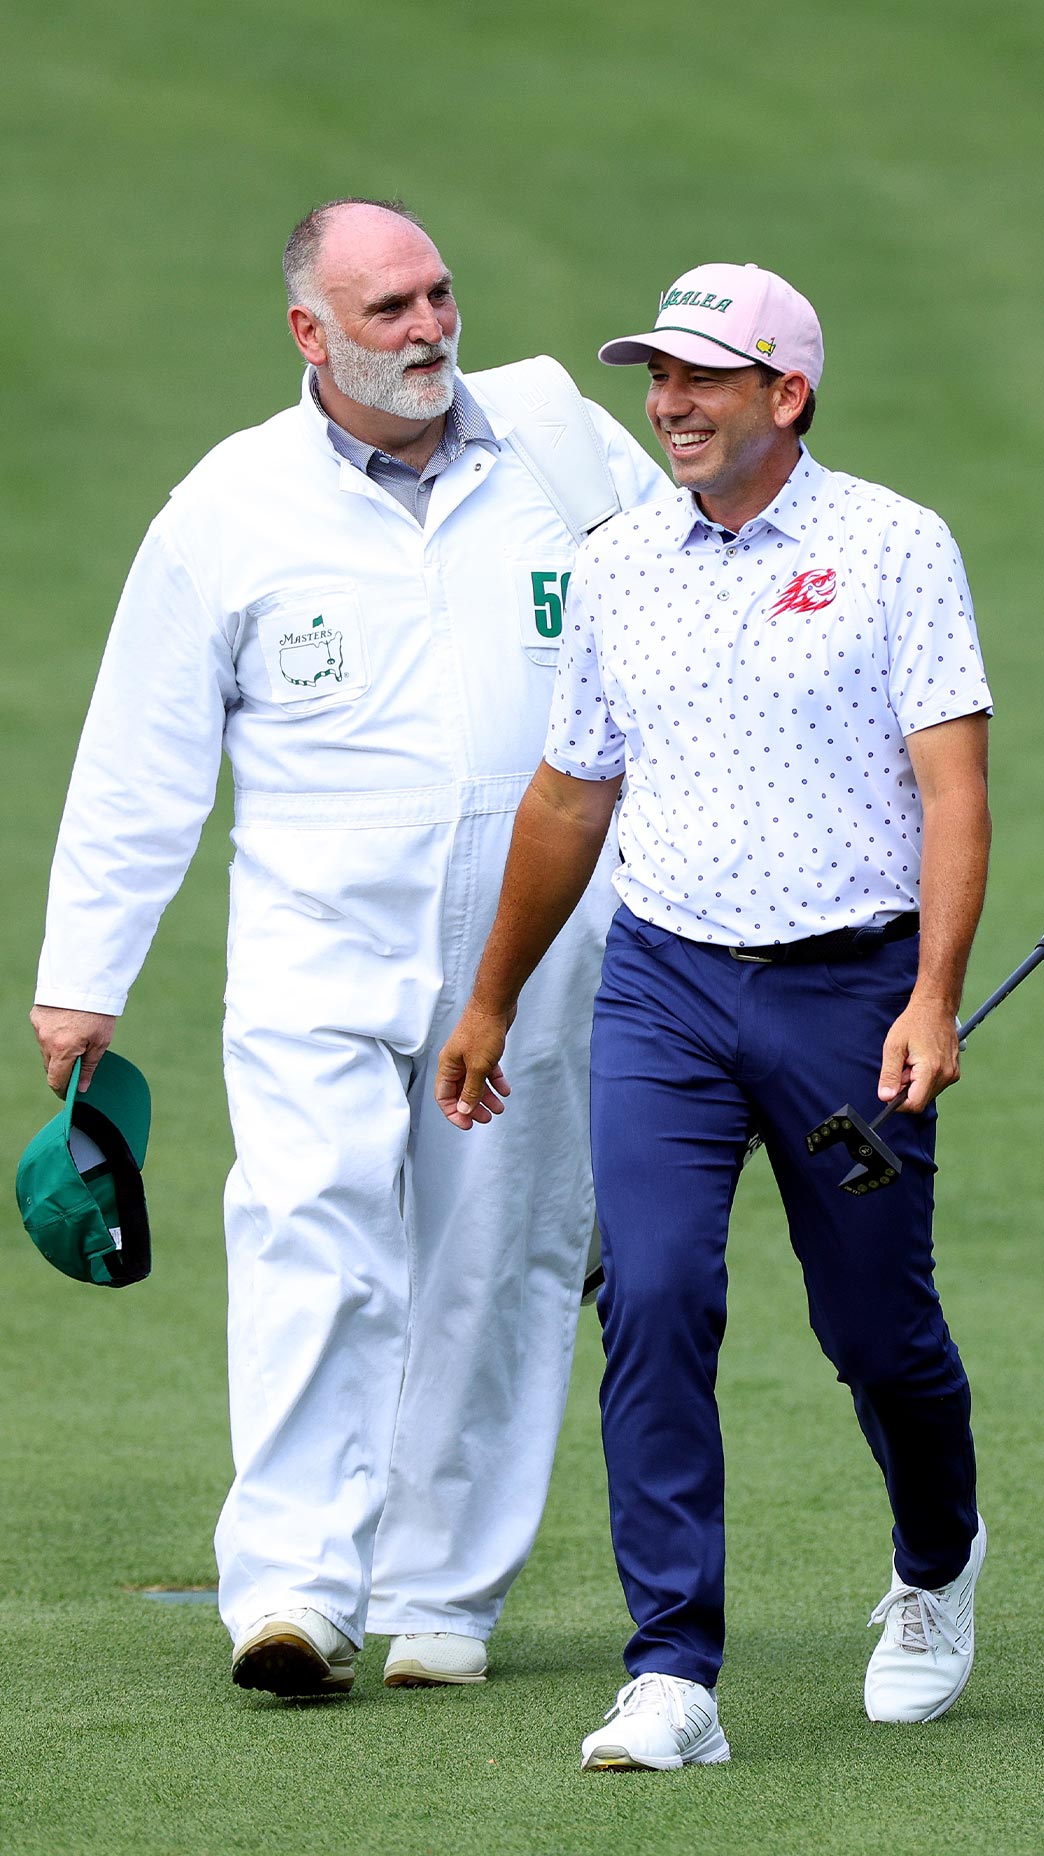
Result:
x=997 y=998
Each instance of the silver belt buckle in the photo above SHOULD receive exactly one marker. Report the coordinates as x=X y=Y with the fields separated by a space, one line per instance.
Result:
x=759 y=960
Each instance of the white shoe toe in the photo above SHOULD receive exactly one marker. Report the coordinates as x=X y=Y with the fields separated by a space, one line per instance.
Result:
x=659 y=1722
x=431 y=1659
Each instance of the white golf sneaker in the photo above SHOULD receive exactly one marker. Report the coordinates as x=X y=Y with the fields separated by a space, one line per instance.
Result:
x=297 y=1652
x=927 y=1646
x=657 y=1721
x=429 y=1658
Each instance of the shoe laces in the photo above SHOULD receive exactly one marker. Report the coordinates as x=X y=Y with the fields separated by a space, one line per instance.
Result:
x=659 y=1691
x=923 y=1614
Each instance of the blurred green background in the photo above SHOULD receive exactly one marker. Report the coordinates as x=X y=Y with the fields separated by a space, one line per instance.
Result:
x=570 y=159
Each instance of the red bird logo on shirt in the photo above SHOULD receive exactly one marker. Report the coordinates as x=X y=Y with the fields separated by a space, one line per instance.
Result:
x=807 y=592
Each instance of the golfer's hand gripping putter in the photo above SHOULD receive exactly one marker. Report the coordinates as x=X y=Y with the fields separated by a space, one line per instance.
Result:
x=875 y=1163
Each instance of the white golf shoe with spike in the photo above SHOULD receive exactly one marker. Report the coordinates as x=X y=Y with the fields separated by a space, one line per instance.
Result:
x=294 y=1652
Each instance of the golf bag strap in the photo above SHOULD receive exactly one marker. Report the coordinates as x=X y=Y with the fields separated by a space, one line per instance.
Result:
x=553 y=434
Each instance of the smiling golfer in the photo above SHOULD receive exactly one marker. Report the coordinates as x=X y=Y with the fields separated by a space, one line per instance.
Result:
x=782 y=660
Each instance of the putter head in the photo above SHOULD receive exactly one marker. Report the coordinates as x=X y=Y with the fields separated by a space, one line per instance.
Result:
x=875 y=1163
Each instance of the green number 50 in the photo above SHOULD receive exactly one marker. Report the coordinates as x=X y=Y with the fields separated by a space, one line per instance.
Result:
x=547 y=603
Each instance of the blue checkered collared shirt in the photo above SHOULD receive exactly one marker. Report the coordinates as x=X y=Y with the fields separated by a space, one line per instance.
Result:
x=466 y=424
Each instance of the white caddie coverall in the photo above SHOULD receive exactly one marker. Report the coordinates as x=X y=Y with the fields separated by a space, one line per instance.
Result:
x=402 y=1301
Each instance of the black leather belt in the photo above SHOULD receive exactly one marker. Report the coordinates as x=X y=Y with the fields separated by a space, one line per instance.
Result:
x=842 y=944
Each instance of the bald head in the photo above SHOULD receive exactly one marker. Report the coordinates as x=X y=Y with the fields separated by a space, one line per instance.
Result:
x=328 y=235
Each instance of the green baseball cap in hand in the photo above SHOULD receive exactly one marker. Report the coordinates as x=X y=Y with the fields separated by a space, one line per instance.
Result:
x=79 y=1180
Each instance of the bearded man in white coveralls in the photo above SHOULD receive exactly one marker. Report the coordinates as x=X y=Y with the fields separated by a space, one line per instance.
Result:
x=358 y=601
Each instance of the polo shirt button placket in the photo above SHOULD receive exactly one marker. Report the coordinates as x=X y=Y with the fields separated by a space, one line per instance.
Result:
x=729 y=552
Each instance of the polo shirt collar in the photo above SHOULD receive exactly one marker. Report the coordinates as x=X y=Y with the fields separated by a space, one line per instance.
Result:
x=789 y=513
x=796 y=501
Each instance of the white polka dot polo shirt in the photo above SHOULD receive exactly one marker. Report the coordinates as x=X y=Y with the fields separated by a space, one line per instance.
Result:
x=757 y=691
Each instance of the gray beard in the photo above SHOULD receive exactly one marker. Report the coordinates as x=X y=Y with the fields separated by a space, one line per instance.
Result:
x=375 y=377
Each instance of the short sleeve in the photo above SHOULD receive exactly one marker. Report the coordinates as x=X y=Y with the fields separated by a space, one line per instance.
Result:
x=582 y=739
x=935 y=670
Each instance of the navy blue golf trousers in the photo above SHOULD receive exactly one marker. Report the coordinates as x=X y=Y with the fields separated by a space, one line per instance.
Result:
x=690 y=1049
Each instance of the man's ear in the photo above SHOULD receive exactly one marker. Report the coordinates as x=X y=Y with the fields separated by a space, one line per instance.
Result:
x=789 y=394
x=307 y=332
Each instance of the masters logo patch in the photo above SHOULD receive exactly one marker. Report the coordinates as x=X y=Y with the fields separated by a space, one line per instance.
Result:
x=305 y=658
x=313 y=643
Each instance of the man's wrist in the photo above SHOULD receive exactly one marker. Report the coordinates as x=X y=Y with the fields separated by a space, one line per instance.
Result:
x=934 y=996
x=491 y=1005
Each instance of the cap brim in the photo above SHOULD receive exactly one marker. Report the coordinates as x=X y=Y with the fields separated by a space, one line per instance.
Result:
x=632 y=350
x=118 y=1188
x=119 y=1092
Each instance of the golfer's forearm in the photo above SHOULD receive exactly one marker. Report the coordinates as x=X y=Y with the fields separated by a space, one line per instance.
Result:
x=954 y=859
x=555 y=845
x=949 y=763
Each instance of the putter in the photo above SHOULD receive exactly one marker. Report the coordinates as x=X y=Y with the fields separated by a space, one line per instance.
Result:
x=875 y=1163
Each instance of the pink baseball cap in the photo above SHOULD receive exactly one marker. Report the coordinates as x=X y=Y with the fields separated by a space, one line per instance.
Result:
x=730 y=315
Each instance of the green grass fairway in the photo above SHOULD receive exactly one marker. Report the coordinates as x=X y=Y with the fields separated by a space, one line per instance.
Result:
x=571 y=159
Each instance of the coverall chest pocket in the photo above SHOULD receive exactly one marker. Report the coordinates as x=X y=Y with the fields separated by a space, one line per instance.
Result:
x=312 y=647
